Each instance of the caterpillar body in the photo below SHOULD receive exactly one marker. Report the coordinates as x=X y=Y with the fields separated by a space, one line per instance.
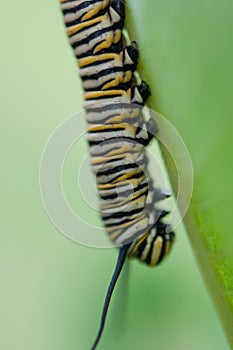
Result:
x=118 y=133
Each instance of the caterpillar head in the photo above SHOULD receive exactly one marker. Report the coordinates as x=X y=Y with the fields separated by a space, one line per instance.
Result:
x=153 y=246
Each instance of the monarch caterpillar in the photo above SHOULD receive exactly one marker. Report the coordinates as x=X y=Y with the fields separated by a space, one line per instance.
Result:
x=118 y=133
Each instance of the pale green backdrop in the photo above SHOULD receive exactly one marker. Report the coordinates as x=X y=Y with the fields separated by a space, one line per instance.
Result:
x=51 y=288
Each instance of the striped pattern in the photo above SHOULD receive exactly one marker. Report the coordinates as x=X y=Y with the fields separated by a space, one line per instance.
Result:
x=117 y=130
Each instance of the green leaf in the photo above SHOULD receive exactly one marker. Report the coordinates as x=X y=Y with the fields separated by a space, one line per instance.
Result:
x=186 y=56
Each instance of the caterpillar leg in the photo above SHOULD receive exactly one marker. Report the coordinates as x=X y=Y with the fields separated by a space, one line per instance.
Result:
x=140 y=93
x=119 y=7
x=130 y=57
x=152 y=129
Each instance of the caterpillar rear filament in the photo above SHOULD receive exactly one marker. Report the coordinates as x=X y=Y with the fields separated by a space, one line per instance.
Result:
x=118 y=133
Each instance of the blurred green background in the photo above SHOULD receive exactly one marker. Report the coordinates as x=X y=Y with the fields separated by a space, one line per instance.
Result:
x=52 y=289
